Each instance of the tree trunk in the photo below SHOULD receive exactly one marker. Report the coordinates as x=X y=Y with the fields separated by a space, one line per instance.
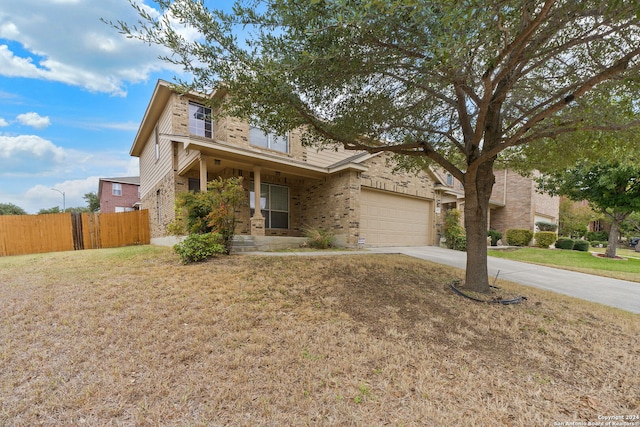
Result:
x=613 y=240
x=477 y=192
x=614 y=234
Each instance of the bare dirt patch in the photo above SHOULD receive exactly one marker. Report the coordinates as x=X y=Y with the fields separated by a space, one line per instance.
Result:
x=132 y=337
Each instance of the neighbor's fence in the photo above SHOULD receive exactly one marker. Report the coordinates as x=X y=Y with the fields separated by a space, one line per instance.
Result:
x=27 y=234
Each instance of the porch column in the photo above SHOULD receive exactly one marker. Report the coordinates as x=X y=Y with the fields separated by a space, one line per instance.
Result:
x=203 y=173
x=257 y=221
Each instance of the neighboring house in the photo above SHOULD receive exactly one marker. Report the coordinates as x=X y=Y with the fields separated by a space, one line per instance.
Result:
x=514 y=202
x=119 y=194
x=355 y=195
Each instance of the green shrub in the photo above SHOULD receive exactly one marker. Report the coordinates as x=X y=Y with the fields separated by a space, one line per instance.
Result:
x=453 y=231
x=495 y=236
x=581 y=245
x=597 y=236
x=564 y=243
x=460 y=243
x=211 y=211
x=319 y=239
x=544 y=239
x=518 y=236
x=198 y=247
x=546 y=226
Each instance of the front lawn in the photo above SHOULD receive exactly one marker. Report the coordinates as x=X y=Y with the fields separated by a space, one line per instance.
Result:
x=131 y=337
x=585 y=262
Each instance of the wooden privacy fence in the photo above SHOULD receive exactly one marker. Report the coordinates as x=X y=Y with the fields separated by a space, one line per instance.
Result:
x=28 y=234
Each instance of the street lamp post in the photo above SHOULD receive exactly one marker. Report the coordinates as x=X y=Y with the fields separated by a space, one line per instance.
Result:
x=64 y=207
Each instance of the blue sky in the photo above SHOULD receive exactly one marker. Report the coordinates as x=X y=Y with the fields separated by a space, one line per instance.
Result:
x=72 y=94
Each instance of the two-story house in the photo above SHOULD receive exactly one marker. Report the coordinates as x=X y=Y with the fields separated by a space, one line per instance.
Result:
x=119 y=194
x=353 y=194
x=515 y=201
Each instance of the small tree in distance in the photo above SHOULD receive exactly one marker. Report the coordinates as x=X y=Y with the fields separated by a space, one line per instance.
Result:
x=612 y=189
x=93 y=202
x=11 y=209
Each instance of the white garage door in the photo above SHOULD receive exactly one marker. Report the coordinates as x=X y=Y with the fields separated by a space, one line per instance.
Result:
x=388 y=219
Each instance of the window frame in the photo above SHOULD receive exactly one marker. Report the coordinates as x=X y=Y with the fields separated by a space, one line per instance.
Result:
x=200 y=126
x=268 y=211
x=271 y=138
x=116 y=189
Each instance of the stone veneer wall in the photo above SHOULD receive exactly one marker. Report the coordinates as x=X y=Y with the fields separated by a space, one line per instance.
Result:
x=234 y=130
x=333 y=203
x=380 y=176
x=149 y=201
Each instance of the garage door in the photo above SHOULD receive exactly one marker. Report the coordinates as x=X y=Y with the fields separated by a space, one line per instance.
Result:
x=388 y=219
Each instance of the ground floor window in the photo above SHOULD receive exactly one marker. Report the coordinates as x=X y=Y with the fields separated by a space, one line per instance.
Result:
x=194 y=185
x=274 y=205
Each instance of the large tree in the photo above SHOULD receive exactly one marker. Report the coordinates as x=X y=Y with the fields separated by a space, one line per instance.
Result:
x=458 y=83
x=612 y=189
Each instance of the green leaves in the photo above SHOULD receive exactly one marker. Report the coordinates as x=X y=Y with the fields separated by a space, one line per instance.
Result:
x=608 y=186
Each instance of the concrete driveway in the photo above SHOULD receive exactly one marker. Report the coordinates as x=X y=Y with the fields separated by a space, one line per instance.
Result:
x=612 y=292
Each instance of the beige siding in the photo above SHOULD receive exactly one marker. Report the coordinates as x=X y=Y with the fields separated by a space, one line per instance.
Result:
x=185 y=157
x=152 y=171
x=327 y=157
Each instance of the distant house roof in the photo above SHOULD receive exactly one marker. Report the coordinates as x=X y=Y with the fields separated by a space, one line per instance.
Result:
x=135 y=180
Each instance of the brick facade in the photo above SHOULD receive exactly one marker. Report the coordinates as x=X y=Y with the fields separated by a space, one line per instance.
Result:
x=160 y=202
x=128 y=199
x=523 y=206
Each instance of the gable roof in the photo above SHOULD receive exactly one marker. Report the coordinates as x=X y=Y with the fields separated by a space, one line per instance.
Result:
x=159 y=99
x=134 y=180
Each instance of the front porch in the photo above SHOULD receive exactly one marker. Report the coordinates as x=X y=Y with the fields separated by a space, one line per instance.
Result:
x=291 y=194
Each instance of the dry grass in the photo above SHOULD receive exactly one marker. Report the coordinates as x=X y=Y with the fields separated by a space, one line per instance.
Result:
x=130 y=337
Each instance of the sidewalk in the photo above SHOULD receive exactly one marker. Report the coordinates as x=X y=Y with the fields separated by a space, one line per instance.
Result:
x=612 y=292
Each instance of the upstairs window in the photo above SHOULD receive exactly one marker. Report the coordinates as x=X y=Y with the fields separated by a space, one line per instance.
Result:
x=200 y=122
x=116 y=189
x=449 y=179
x=261 y=138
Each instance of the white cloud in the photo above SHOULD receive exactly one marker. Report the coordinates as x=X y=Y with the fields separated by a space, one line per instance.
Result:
x=133 y=168
x=3 y=122
x=34 y=120
x=29 y=154
x=65 y=41
x=43 y=197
